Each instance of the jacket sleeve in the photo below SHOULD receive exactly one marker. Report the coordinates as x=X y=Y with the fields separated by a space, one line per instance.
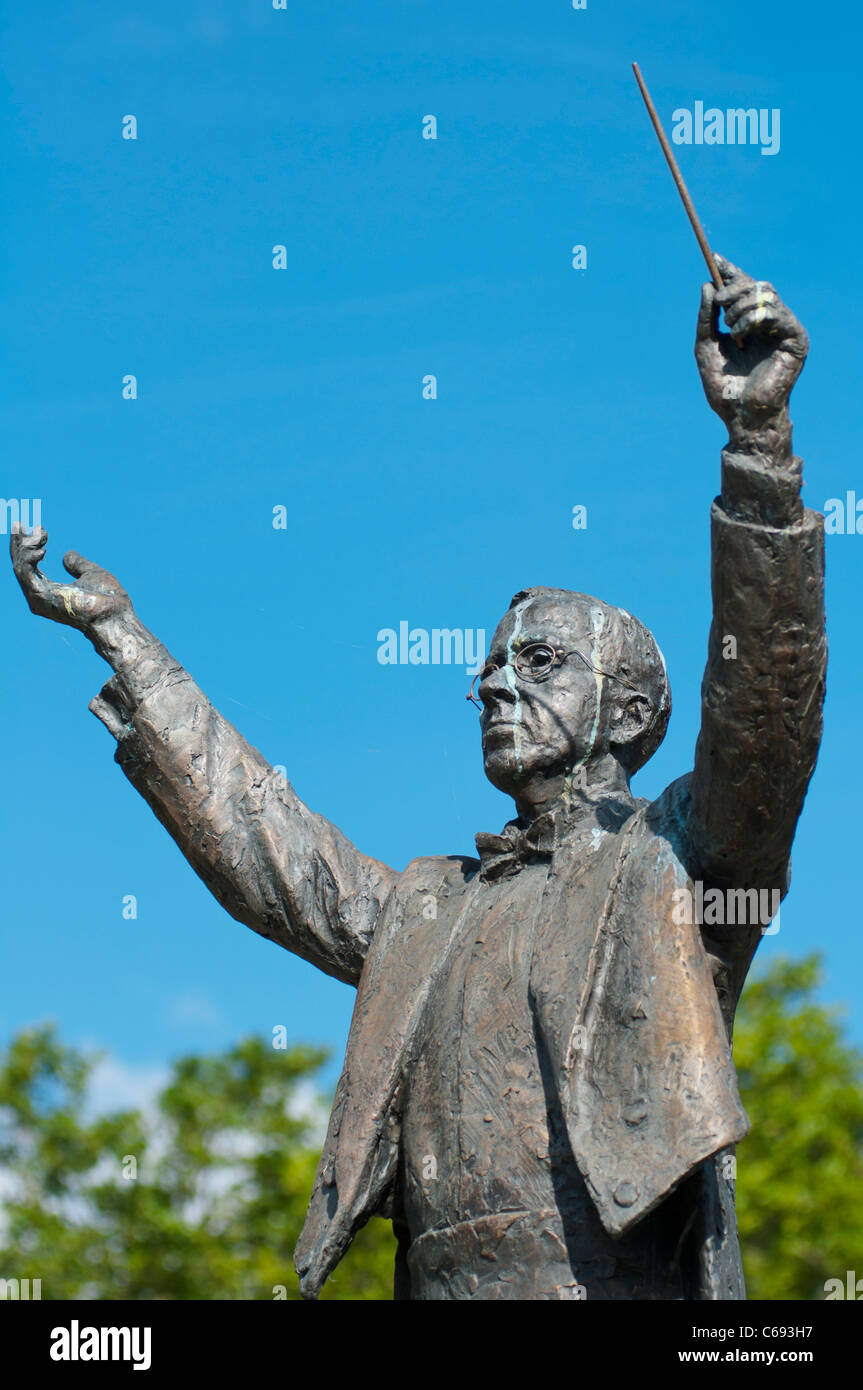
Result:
x=763 y=687
x=272 y=863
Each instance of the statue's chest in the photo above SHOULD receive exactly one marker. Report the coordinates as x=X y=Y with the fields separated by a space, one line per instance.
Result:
x=476 y=1134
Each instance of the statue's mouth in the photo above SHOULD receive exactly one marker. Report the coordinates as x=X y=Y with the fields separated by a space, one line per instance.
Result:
x=498 y=731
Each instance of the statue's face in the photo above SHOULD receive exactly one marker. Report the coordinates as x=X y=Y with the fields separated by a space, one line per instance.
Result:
x=552 y=723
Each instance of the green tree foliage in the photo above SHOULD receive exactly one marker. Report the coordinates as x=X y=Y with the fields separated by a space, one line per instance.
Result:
x=800 y=1170
x=225 y=1165
x=226 y=1159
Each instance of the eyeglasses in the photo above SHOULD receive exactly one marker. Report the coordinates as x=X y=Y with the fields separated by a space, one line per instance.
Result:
x=536 y=661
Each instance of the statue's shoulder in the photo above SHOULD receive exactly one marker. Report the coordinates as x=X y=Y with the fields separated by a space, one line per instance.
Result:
x=423 y=905
x=667 y=818
x=435 y=871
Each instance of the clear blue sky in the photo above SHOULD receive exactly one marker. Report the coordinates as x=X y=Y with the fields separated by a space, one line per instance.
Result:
x=302 y=387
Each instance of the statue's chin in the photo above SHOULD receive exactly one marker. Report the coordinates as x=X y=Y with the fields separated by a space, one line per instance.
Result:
x=510 y=775
x=503 y=771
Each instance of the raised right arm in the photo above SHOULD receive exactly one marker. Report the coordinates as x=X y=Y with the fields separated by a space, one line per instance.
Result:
x=271 y=862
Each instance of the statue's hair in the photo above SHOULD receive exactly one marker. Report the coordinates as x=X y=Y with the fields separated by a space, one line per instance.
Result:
x=630 y=651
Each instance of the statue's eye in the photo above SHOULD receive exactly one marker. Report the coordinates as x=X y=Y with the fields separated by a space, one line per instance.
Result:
x=488 y=670
x=536 y=659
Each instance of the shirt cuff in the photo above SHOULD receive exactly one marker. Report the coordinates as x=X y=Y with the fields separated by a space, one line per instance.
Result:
x=760 y=492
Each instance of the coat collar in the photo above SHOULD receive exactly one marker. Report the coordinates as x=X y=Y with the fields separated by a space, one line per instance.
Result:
x=521 y=843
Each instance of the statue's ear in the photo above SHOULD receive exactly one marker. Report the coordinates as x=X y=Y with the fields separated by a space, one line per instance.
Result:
x=630 y=719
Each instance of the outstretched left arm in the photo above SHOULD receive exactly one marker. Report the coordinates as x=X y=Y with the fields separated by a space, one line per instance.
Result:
x=763 y=686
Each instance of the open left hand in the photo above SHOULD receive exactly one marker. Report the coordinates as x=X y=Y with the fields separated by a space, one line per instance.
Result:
x=94 y=597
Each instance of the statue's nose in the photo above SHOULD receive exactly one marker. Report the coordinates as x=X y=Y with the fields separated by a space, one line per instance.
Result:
x=497 y=688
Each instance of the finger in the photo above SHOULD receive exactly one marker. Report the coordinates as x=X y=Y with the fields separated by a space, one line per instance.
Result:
x=736 y=290
x=108 y=715
x=730 y=272
x=25 y=562
x=75 y=564
x=27 y=549
x=770 y=319
x=707 y=326
x=759 y=296
x=110 y=706
x=796 y=340
x=25 y=542
x=751 y=321
x=733 y=292
x=37 y=534
x=772 y=328
x=748 y=303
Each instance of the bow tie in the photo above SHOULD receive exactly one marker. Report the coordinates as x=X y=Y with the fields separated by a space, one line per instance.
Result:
x=517 y=845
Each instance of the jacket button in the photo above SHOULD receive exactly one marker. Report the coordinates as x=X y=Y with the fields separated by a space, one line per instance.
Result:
x=625 y=1194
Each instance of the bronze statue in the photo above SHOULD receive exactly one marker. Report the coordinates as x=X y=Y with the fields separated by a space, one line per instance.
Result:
x=538 y=1086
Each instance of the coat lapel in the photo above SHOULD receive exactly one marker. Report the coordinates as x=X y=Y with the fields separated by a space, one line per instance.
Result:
x=360 y=1154
x=633 y=1027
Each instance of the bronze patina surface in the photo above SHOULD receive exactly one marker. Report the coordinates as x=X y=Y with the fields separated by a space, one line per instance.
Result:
x=538 y=1085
